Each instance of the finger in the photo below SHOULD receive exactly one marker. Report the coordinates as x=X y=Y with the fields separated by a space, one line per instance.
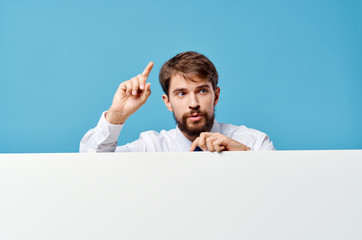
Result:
x=219 y=142
x=135 y=85
x=210 y=139
x=202 y=143
x=146 y=93
x=148 y=87
x=209 y=144
x=147 y=70
x=217 y=147
x=128 y=87
x=123 y=86
x=142 y=81
x=194 y=145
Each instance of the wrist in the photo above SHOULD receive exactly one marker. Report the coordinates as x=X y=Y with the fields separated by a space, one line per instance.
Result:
x=114 y=117
x=244 y=148
x=238 y=146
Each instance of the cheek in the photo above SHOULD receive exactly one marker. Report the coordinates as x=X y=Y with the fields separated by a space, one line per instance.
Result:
x=179 y=103
x=177 y=108
x=209 y=104
x=179 y=112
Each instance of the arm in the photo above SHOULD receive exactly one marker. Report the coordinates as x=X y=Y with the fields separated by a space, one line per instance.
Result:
x=129 y=97
x=103 y=138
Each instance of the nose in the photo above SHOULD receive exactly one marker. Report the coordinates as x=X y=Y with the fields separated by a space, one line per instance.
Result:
x=193 y=102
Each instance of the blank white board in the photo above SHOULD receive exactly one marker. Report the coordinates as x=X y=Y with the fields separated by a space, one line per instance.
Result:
x=232 y=195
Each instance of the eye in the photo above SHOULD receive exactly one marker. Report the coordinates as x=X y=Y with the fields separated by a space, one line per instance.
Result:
x=180 y=94
x=203 y=91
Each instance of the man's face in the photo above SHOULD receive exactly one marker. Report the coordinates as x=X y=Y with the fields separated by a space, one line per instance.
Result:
x=192 y=104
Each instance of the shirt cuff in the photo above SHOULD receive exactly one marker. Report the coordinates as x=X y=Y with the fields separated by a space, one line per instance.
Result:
x=109 y=131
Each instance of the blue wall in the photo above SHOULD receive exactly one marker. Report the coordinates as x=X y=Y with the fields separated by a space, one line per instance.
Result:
x=291 y=69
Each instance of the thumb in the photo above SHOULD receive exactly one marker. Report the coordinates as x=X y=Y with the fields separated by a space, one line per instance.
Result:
x=146 y=93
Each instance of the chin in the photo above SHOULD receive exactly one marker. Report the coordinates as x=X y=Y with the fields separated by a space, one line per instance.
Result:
x=194 y=128
x=196 y=125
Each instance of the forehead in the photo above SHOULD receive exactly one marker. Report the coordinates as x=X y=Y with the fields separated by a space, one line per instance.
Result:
x=178 y=81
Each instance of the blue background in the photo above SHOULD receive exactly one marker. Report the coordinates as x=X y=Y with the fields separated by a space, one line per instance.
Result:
x=292 y=69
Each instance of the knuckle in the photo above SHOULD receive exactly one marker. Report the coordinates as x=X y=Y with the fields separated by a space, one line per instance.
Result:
x=134 y=80
x=140 y=77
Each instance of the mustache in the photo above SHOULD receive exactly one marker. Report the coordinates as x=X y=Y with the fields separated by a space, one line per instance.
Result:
x=195 y=111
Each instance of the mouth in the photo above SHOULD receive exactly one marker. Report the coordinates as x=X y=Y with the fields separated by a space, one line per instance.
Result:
x=195 y=117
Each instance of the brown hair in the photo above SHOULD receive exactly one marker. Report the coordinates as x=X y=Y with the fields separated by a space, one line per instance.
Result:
x=188 y=65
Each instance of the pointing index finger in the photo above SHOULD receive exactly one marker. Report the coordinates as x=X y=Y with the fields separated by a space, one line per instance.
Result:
x=147 y=70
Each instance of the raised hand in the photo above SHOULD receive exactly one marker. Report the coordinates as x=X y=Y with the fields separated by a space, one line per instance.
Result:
x=217 y=142
x=130 y=96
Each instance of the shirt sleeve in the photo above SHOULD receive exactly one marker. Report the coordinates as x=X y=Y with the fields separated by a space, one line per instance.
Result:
x=252 y=138
x=263 y=143
x=103 y=138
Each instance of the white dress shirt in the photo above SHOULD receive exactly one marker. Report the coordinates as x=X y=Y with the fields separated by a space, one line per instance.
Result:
x=103 y=138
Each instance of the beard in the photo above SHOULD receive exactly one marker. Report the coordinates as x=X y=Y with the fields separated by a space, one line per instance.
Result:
x=195 y=128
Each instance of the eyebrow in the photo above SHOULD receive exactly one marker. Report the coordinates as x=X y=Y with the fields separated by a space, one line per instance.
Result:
x=203 y=86
x=178 y=90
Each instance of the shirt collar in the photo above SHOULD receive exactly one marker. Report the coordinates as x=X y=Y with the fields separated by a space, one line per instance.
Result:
x=184 y=144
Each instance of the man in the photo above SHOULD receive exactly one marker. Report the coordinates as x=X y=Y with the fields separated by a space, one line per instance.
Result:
x=189 y=81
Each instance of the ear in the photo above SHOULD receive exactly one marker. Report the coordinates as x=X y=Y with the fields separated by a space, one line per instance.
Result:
x=217 y=95
x=167 y=102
